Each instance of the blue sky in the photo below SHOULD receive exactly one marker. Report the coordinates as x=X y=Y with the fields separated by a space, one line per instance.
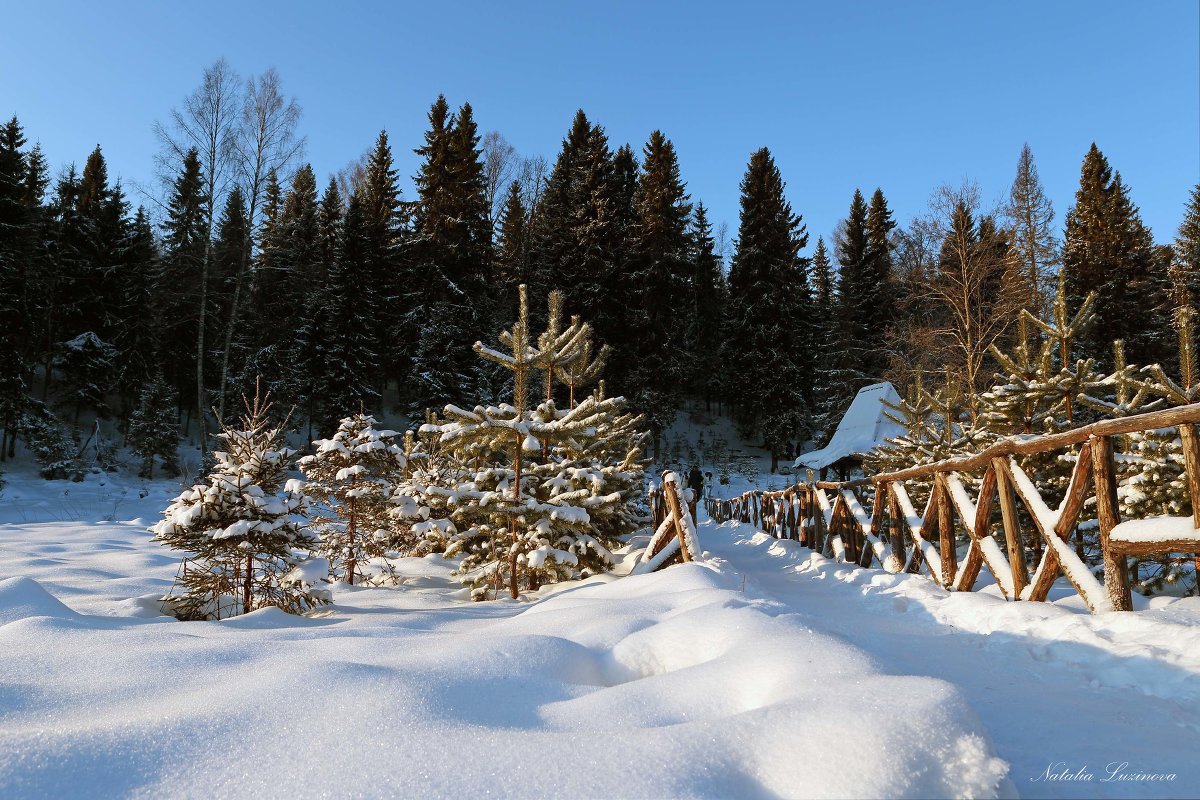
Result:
x=903 y=96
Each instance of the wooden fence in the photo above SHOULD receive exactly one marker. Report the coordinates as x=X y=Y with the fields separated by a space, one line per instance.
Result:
x=895 y=536
x=674 y=527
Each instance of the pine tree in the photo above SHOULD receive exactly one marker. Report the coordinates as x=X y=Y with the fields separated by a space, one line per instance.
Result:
x=770 y=336
x=540 y=494
x=154 y=427
x=242 y=528
x=352 y=476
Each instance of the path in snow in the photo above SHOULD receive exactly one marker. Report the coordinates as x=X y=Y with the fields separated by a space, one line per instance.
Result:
x=1053 y=687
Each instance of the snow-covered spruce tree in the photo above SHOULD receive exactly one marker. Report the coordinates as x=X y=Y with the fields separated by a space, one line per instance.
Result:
x=244 y=531
x=352 y=477
x=542 y=496
x=154 y=427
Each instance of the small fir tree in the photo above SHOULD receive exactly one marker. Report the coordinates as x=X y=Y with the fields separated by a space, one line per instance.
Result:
x=154 y=427
x=244 y=530
x=352 y=477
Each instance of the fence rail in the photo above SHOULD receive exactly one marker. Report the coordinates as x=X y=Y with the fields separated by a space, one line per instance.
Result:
x=830 y=516
x=674 y=526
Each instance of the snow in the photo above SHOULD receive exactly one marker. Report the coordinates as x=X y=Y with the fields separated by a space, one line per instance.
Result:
x=1092 y=590
x=990 y=548
x=1156 y=529
x=816 y=680
x=864 y=425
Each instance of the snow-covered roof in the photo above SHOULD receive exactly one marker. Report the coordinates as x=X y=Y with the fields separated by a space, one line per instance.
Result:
x=863 y=427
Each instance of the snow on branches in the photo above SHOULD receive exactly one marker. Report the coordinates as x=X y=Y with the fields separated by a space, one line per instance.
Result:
x=530 y=495
x=351 y=478
x=244 y=529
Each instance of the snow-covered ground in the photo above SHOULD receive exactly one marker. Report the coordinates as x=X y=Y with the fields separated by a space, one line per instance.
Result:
x=814 y=680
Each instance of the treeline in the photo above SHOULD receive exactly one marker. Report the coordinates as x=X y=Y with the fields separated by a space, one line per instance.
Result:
x=344 y=296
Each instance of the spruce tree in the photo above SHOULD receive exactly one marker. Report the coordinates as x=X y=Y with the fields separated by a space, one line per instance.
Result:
x=352 y=476
x=392 y=313
x=344 y=349
x=308 y=352
x=185 y=245
x=230 y=251
x=452 y=253
x=1186 y=262
x=17 y=245
x=853 y=312
x=827 y=394
x=552 y=232
x=1107 y=249
x=154 y=427
x=770 y=336
x=512 y=261
x=661 y=270
x=705 y=318
x=135 y=312
x=243 y=530
x=878 y=303
x=281 y=284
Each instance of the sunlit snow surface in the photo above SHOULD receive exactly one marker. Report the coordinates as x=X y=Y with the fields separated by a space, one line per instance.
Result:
x=817 y=681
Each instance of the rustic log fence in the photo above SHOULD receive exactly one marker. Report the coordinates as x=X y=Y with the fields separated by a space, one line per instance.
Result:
x=830 y=517
x=674 y=528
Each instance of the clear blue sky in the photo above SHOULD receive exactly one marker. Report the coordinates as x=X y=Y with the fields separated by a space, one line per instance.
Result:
x=903 y=96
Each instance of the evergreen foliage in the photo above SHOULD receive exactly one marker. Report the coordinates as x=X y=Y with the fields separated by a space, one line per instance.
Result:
x=532 y=494
x=704 y=317
x=1030 y=216
x=660 y=266
x=1107 y=249
x=244 y=530
x=770 y=337
x=352 y=477
x=154 y=427
x=185 y=245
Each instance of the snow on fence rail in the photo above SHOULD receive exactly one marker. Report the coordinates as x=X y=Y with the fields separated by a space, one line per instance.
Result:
x=899 y=539
x=674 y=528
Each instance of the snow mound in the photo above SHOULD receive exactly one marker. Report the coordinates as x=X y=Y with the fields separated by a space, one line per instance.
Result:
x=23 y=598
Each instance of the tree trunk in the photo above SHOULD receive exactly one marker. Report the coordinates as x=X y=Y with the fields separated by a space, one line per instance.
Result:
x=203 y=420
x=247 y=586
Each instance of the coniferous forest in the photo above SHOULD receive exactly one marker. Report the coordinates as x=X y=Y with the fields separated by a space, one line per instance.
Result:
x=158 y=307
x=605 y=391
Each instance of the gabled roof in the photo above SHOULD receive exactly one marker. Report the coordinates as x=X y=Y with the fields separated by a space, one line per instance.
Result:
x=863 y=427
